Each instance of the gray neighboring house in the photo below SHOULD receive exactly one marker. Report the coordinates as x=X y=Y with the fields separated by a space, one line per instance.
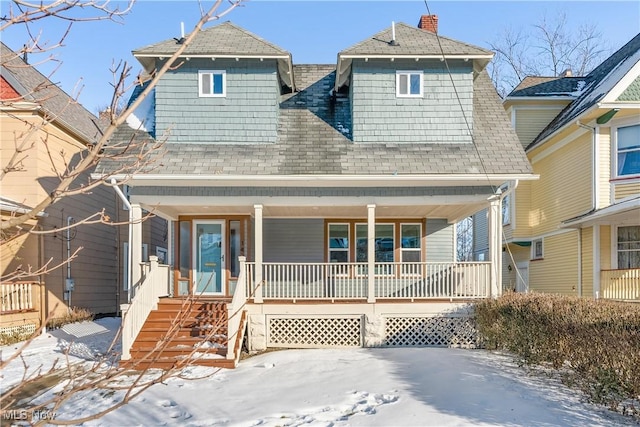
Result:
x=325 y=195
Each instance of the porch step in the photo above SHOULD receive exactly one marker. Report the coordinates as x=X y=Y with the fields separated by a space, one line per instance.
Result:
x=183 y=326
x=167 y=363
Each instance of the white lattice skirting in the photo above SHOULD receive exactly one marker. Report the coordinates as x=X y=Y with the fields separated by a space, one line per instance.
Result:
x=430 y=331
x=314 y=332
x=20 y=330
x=348 y=331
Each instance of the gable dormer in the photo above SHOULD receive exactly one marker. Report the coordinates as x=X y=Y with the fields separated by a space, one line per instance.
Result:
x=409 y=85
x=224 y=88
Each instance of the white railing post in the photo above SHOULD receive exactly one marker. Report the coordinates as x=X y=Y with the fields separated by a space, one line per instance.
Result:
x=135 y=248
x=154 y=278
x=127 y=341
x=235 y=309
x=371 y=253
x=257 y=295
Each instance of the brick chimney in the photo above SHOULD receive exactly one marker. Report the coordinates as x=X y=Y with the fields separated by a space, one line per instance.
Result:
x=429 y=23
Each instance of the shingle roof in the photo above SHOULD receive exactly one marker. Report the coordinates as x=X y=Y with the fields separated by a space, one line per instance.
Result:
x=313 y=138
x=35 y=87
x=223 y=39
x=412 y=41
x=534 y=86
x=597 y=84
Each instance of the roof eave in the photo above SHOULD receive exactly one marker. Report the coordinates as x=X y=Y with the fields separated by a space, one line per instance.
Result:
x=629 y=206
x=343 y=68
x=541 y=98
x=320 y=180
x=148 y=61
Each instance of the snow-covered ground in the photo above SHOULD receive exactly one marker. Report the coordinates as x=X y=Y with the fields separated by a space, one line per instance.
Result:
x=337 y=387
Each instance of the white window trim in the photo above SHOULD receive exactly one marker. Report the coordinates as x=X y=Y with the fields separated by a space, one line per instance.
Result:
x=212 y=73
x=409 y=72
x=533 y=249
x=614 y=148
x=615 y=245
x=418 y=249
x=508 y=218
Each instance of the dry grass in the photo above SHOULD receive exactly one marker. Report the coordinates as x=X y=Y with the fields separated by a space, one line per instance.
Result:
x=596 y=343
x=74 y=315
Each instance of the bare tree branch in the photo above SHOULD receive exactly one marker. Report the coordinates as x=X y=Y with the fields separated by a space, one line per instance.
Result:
x=548 y=49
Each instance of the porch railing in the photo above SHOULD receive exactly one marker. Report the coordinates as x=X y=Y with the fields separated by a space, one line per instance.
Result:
x=145 y=295
x=620 y=284
x=349 y=281
x=18 y=296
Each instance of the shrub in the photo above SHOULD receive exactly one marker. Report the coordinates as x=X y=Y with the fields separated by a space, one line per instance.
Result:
x=74 y=315
x=598 y=340
x=13 y=337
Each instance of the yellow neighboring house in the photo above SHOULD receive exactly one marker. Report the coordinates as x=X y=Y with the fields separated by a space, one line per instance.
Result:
x=576 y=230
x=50 y=129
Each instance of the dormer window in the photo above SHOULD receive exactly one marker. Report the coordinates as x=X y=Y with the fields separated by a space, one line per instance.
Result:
x=409 y=84
x=212 y=83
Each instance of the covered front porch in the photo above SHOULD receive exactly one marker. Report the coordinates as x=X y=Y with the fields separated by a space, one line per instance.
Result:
x=325 y=243
x=331 y=264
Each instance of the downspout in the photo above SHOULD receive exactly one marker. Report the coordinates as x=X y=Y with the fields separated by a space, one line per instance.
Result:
x=593 y=200
x=593 y=163
x=579 y=262
x=125 y=202
x=68 y=281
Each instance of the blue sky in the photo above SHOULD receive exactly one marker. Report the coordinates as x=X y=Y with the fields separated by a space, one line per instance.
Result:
x=313 y=31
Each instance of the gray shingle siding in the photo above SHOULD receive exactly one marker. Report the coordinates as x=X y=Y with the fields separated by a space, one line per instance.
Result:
x=379 y=115
x=247 y=114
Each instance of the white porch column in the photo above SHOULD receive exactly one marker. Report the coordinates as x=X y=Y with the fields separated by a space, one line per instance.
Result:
x=596 y=261
x=135 y=247
x=495 y=247
x=371 y=253
x=257 y=297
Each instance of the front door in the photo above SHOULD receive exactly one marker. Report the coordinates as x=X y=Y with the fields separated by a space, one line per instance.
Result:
x=209 y=271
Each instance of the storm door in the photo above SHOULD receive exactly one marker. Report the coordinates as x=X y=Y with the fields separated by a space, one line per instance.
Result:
x=208 y=257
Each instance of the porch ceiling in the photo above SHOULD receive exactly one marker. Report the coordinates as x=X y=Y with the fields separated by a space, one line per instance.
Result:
x=452 y=213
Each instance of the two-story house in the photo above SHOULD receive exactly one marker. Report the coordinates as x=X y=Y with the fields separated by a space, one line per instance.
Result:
x=43 y=130
x=323 y=196
x=576 y=230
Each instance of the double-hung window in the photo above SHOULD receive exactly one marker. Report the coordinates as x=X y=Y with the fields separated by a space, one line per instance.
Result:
x=537 y=249
x=338 y=243
x=212 y=83
x=629 y=247
x=410 y=248
x=409 y=84
x=628 y=150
